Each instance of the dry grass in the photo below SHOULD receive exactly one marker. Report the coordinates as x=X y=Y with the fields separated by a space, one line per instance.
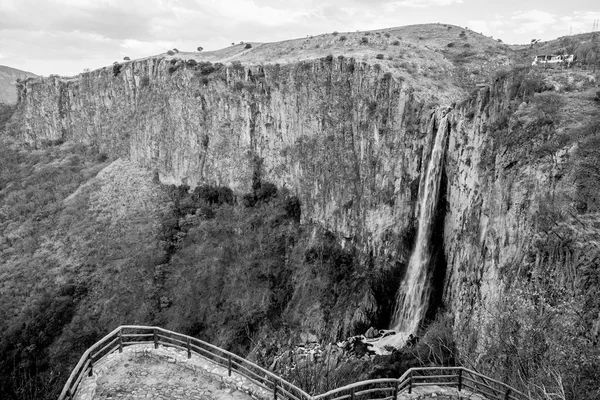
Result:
x=416 y=54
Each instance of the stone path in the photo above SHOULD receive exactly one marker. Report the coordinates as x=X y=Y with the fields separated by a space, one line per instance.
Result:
x=439 y=393
x=141 y=372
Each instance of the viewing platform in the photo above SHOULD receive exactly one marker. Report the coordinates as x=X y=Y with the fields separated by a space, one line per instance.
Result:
x=141 y=362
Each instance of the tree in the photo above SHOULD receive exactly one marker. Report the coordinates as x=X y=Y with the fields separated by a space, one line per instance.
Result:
x=200 y=48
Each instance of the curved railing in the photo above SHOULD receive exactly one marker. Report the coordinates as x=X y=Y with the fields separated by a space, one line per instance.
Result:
x=379 y=389
x=458 y=377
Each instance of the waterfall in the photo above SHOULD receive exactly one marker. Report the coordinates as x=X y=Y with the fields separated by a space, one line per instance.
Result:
x=413 y=295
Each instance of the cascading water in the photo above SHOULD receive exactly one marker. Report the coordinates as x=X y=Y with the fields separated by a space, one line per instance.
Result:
x=413 y=295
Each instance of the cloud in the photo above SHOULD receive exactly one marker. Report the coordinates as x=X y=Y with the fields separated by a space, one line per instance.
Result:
x=42 y=35
x=425 y=3
x=533 y=21
x=579 y=21
x=480 y=26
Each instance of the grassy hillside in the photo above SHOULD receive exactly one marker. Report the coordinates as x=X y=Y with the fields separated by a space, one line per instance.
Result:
x=441 y=62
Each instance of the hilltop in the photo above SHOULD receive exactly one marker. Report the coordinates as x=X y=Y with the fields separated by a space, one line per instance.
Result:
x=8 y=79
x=438 y=60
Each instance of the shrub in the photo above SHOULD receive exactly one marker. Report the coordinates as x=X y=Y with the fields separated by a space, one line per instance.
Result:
x=364 y=40
x=248 y=46
x=237 y=66
x=377 y=67
x=342 y=38
x=145 y=81
x=206 y=68
x=175 y=50
x=387 y=35
x=387 y=75
x=117 y=69
x=101 y=157
x=191 y=63
x=173 y=68
x=126 y=58
x=451 y=44
x=546 y=107
x=293 y=208
x=213 y=195
x=170 y=52
x=202 y=48
x=597 y=98
x=335 y=33
x=466 y=45
x=462 y=34
x=396 y=43
x=379 y=56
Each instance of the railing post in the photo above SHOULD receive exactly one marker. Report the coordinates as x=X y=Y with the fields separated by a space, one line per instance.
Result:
x=91 y=365
x=396 y=390
x=275 y=391
x=189 y=347
x=352 y=394
x=506 y=394
x=410 y=382
x=120 y=341
x=460 y=380
x=228 y=364
x=155 y=338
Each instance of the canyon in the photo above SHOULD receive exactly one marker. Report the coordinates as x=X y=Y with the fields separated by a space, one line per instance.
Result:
x=510 y=229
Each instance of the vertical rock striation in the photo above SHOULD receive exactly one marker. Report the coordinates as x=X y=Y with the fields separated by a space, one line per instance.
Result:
x=353 y=144
x=341 y=135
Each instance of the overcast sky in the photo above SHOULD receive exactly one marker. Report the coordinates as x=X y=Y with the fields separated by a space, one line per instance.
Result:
x=66 y=36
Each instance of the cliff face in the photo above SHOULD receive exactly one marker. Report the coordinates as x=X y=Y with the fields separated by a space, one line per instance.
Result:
x=345 y=138
x=519 y=247
x=521 y=235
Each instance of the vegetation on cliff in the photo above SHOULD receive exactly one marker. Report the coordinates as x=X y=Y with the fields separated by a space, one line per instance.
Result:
x=541 y=148
x=88 y=242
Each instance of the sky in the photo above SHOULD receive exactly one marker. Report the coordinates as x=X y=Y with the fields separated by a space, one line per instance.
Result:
x=67 y=36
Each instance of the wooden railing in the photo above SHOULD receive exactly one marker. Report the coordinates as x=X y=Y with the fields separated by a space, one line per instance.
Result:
x=375 y=389
x=132 y=335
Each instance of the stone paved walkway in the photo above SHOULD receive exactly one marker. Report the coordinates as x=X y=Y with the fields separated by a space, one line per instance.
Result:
x=141 y=372
x=439 y=393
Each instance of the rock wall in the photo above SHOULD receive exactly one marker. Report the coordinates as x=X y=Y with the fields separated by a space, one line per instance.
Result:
x=351 y=143
x=521 y=260
x=344 y=137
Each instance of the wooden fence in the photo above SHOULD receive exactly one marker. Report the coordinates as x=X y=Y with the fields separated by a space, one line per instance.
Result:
x=375 y=389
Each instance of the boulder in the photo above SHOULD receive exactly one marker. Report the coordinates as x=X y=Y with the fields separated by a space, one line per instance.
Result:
x=371 y=333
